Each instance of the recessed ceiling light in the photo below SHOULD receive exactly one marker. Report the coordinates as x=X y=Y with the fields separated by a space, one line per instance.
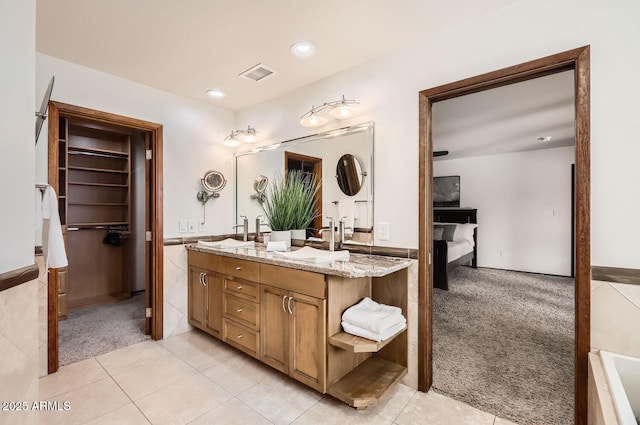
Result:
x=544 y=139
x=302 y=49
x=215 y=93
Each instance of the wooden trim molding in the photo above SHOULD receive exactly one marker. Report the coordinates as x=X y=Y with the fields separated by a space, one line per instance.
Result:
x=577 y=60
x=18 y=276
x=616 y=275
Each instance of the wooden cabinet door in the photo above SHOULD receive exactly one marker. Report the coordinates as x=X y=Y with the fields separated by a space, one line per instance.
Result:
x=197 y=298
x=213 y=283
x=307 y=341
x=274 y=324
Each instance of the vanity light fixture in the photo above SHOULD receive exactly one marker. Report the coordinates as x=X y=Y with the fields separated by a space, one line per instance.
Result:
x=339 y=109
x=236 y=137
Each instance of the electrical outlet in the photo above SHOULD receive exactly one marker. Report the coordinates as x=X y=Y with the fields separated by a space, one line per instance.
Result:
x=383 y=232
x=200 y=226
x=193 y=226
x=183 y=225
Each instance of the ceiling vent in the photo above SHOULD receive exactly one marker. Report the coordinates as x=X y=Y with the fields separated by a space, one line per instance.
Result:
x=258 y=73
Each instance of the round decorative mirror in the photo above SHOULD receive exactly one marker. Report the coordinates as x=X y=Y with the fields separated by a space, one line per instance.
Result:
x=260 y=184
x=213 y=181
x=349 y=174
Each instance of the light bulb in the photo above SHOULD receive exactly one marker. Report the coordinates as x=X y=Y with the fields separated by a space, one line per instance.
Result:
x=313 y=121
x=231 y=142
x=343 y=111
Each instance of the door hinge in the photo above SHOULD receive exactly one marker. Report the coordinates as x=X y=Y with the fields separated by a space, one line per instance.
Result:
x=147 y=312
x=429 y=258
x=147 y=236
x=148 y=154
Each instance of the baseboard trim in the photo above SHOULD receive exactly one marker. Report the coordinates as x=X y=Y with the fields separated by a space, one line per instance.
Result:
x=616 y=274
x=19 y=276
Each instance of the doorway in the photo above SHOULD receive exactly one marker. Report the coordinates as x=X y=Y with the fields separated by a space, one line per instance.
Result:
x=94 y=170
x=307 y=165
x=578 y=61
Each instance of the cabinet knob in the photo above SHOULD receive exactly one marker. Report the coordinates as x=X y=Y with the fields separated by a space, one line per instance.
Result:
x=239 y=287
x=239 y=310
x=238 y=268
x=239 y=336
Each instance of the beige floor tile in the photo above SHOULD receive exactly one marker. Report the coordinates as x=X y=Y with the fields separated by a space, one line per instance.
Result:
x=152 y=376
x=129 y=357
x=86 y=403
x=190 y=339
x=500 y=421
x=183 y=401
x=435 y=409
x=391 y=406
x=330 y=411
x=127 y=415
x=205 y=354
x=70 y=377
x=280 y=399
x=238 y=372
x=233 y=412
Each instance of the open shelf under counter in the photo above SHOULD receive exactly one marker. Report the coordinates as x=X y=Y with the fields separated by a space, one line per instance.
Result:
x=356 y=344
x=368 y=383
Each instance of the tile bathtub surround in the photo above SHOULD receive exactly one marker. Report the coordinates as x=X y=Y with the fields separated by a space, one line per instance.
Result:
x=194 y=394
x=615 y=317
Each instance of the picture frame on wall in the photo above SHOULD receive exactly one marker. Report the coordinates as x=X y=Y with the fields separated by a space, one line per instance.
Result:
x=446 y=191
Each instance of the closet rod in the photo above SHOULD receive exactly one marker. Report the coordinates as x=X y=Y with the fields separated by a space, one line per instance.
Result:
x=103 y=155
x=115 y=228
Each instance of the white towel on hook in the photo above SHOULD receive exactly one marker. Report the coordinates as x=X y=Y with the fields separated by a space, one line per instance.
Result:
x=347 y=213
x=55 y=255
x=37 y=219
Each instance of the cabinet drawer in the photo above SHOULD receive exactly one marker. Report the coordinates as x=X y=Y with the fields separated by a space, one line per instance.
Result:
x=300 y=281
x=243 y=269
x=241 y=337
x=205 y=260
x=242 y=311
x=242 y=288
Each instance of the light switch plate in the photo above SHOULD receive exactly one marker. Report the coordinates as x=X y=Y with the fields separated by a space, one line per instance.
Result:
x=383 y=231
x=193 y=226
x=183 y=225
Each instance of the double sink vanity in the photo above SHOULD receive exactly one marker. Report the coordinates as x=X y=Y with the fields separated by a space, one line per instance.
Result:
x=287 y=314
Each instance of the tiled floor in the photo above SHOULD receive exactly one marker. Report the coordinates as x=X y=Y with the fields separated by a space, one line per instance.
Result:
x=192 y=378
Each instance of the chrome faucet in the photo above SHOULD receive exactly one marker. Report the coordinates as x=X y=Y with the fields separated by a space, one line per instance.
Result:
x=245 y=226
x=341 y=229
x=332 y=229
x=259 y=224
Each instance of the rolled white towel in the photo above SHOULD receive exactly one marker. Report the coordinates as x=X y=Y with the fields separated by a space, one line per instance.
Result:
x=372 y=316
x=364 y=333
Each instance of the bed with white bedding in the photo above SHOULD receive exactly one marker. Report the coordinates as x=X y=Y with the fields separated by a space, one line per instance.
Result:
x=455 y=242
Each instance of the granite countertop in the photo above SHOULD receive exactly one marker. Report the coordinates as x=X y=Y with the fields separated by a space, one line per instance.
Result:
x=359 y=265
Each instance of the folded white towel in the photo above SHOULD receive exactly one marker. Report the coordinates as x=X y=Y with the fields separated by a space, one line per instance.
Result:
x=276 y=246
x=227 y=243
x=375 y=317
x=357 y=331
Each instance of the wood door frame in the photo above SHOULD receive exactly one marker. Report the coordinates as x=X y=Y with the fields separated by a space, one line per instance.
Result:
x=579 y=61
x=156 y=246
x=316 y=224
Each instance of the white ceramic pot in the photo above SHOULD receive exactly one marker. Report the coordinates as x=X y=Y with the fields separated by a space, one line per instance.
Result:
x=282 y=235
x=300 y=234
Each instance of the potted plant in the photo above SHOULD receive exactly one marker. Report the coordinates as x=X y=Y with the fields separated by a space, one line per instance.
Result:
x=290 y=204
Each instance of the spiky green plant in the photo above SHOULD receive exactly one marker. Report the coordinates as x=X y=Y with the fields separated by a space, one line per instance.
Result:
x=290 y=203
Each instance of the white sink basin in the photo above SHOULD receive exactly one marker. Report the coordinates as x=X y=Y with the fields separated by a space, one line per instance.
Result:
x=314 y=255
x=227 y=243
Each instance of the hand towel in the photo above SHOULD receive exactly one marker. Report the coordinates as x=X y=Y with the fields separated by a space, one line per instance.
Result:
x=357 y=331
x=347 y=213
x=53 y=250
x=372 y=316
x=276 y=246
x=37 y=219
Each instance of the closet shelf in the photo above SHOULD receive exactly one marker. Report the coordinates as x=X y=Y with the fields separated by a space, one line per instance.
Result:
x=97 y=184
x=356 y=344
x=368 y=383
x=100 y=204
x=94 y=224
x=101 y=152
x=99 y=170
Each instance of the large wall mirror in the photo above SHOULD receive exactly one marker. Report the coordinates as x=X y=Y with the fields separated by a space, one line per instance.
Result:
x=331 y=156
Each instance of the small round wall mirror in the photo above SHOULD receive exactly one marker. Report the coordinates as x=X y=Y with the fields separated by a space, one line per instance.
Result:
x=260 y=184
x=213 y=181
x=349 y=174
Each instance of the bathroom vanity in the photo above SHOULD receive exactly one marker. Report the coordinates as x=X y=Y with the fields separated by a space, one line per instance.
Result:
x=287 y=314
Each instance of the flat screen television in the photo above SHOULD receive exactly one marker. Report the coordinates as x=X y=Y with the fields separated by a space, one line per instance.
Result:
x=446 y=191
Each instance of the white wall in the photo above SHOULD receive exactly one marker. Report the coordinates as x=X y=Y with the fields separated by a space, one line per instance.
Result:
x=193 y=132
x=388 y=91
x=524 y=207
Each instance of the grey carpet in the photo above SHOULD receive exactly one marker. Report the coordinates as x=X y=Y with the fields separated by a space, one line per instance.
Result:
x=93 y=331
x=503 y=342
